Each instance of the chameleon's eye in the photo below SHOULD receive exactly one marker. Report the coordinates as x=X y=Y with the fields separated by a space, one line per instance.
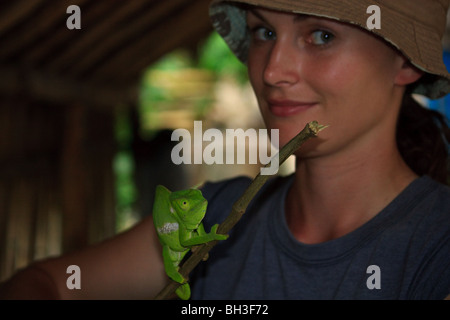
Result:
x=184 y=205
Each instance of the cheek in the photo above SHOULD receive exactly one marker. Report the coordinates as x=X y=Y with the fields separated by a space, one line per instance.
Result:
x=330 y=77
x=364 y=62
x=354 y=80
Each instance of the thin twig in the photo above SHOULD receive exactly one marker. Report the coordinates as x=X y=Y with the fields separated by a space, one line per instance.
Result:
x=239 y=207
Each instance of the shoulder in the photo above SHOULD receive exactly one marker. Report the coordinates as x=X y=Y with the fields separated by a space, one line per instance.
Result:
x=430 y=240
x=434 y=198
x=426 y=204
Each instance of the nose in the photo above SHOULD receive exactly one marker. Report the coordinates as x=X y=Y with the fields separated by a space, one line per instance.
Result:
x=282 y=65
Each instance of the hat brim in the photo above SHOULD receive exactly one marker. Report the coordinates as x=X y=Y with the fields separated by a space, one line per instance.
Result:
x=418 y=42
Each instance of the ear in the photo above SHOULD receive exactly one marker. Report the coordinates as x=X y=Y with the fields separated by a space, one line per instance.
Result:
x=407 y=73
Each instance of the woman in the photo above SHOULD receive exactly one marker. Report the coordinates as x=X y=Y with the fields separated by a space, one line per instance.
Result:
x=363 y=217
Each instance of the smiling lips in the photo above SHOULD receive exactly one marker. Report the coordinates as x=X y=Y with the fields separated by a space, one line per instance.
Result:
x=286 y=108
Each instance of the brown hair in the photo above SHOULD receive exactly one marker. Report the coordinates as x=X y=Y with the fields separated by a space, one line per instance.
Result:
x=422 y=137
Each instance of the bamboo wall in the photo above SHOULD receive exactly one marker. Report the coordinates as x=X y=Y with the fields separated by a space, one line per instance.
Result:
x=56 y=180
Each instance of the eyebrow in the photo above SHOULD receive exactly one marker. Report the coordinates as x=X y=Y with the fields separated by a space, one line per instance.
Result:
x=258 y=15
x=301 y=17
x=297 y=16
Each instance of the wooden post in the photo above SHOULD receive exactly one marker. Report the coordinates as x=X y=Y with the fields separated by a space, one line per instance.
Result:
x=74 y=204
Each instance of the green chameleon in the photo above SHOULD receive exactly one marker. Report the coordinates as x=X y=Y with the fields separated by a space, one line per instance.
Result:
x=178 y=221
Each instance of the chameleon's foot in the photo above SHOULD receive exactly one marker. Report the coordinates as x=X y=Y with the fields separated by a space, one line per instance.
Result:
x=184 y=291
x=217 y=236
x=176 y=276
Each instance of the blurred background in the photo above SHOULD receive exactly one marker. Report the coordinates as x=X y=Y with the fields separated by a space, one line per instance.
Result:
x=86 y=116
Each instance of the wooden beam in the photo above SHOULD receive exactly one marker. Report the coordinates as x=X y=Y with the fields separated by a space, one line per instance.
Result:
x=106 y=27
x=87 y=177
x=157 y=41
x=49 y=45
x=73 y=174
x=36 y=27
x=17 y=11
x=120 y=37
x=56 y=89
x=91 y=15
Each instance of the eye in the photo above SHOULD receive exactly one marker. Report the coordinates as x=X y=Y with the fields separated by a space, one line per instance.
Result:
x=321 y=37
x=183 y=204
x=263 y=34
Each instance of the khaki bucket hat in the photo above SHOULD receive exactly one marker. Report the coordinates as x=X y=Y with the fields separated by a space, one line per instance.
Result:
x=414 y=27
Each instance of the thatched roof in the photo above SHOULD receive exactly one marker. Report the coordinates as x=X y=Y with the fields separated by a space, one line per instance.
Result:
x=100 y=63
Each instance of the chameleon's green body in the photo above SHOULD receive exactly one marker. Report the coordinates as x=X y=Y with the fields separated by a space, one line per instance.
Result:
x=177 y=217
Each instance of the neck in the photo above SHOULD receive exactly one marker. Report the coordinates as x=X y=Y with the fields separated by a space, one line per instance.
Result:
x=332 y=196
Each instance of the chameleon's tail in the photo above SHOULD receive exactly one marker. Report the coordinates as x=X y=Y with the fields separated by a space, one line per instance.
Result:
x=184 y=291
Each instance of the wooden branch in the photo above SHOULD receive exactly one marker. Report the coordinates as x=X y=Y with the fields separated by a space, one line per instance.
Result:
x=240 y=206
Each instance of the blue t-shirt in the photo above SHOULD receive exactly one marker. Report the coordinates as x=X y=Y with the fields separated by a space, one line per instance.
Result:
x=401 y=253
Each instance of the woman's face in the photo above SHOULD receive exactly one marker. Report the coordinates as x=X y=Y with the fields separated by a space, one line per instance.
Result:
x=304 y=68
